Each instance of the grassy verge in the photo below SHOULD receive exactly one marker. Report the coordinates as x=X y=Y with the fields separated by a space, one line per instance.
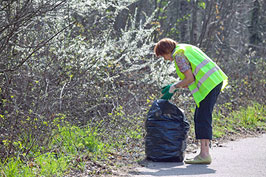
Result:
x=69 y=149
x=250 y=118
x=84 y=150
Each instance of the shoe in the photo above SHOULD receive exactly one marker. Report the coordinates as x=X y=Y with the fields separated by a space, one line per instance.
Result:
x=199 y=160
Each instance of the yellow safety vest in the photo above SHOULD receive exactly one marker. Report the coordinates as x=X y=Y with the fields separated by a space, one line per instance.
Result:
x=207 y=73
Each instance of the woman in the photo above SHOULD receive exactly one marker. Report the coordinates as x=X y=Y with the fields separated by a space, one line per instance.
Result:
x=203 y=78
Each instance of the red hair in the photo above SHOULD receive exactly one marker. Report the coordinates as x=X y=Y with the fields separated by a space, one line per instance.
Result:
x=164 y=46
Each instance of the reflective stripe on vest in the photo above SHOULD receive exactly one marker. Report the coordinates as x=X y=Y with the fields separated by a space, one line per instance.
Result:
x=201 y=65
x=206 y=76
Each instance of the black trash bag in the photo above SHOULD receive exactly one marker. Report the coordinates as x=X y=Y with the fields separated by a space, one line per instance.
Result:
x=166 y=132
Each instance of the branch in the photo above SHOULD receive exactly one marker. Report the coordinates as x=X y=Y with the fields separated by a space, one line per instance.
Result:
x=61 y=94
x=27 y=16
x=21 y=18
x=38 y=47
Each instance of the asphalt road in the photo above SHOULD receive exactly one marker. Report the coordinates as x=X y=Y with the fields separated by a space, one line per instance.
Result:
x=240 y=158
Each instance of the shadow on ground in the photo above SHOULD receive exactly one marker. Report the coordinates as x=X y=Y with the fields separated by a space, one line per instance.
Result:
x=172 y=169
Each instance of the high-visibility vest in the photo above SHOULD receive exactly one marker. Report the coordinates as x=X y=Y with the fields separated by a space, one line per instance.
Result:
x=207 y=73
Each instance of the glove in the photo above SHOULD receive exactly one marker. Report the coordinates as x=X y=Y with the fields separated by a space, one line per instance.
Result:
x=165 y=90
x=167 y=96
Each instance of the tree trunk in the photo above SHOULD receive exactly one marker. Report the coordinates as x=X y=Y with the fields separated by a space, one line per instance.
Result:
x=254 y=38
x=193 y=34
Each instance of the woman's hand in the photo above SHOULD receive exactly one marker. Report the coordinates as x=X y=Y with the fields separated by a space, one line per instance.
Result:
x=172 y=88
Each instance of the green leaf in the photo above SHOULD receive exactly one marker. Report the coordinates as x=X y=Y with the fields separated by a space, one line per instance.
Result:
x=202 y=5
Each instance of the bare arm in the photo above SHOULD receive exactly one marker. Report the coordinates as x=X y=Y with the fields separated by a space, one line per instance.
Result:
x=189 y=78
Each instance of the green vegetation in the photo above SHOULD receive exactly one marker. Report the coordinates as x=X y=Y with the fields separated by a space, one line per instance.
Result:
x=249 y=118
x=69 y=145
x=72 y=146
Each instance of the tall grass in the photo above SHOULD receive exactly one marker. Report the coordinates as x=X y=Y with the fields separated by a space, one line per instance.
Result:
x=250 y=118
x=68 y=143
x=72 y=140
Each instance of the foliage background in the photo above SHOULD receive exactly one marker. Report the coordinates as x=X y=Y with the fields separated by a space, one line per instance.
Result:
x=91 y=63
